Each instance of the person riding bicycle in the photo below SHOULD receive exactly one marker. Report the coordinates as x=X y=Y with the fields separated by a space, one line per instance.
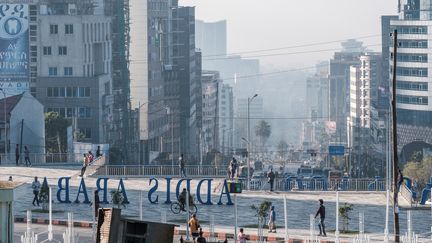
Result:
x=182 y=198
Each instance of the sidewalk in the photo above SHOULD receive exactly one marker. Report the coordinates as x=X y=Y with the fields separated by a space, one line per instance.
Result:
x=222 y=232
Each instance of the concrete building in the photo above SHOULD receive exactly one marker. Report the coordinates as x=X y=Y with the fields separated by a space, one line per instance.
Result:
x=413 y=92
x=365 y=124
x=74 y=68
x=25 y=122
x=226 y=118
x=339 y=76
x=317 y=91
x=211 y=39
x=386 y=41
x=210 y=83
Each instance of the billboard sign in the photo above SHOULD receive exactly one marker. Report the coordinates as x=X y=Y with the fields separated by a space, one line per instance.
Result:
x=336 y=150
x=14 y=48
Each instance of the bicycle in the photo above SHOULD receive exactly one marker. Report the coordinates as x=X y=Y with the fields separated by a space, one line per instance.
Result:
x=176 y=208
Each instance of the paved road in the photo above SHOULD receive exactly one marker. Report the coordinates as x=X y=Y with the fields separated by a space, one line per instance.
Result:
x=300 y=204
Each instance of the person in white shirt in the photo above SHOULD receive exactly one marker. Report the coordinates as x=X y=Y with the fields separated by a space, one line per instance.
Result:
x=36 y=187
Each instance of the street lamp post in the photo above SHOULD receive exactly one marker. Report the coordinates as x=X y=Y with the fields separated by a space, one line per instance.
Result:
x=172 y=137
x=248 y=139
x=5 y=124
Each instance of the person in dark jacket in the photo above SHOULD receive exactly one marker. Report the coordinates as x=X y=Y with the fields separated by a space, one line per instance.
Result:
x=271 y=177
x=321 y=212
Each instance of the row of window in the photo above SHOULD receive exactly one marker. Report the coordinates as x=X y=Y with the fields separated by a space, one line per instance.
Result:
x=62 y=50
x=70 y=112
x=67 y=71
x=420 y=86
x=412 y=57
x=413 y=44
x=68 y=29
x=80 y=92
x=412 y=29
x=412 y=72
x=415 y=100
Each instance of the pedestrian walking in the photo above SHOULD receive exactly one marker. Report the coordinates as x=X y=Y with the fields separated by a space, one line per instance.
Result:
x=194 y=227
x=271 y=176
x=36 y=188
x=321 y=213
x=98 y=152
x=399 y=179
x=272 y=221
x=201 y=238
x=85 y=164
x=27 y=156
x=182 y=166
x=90 y=156
x=241 y=237
x=233 y=167
x=17 y=154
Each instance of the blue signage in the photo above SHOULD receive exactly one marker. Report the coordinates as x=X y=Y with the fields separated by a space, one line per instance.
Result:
x=14 y=47
x=63 y=192
x=336 y=149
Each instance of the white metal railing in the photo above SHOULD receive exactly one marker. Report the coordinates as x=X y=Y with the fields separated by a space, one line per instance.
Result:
x=156 y=170
x=43 y=159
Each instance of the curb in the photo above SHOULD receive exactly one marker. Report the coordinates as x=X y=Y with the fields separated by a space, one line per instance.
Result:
x=177 y=231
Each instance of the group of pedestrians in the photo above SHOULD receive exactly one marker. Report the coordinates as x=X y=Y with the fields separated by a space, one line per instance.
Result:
x=197 y=233
x=18 y=155
x=88 y=158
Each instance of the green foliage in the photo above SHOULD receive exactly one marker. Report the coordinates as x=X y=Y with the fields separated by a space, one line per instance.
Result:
x=55 y=133
x=262 y=211
x=344 y=212
x=419 y=171
x=44 y=194
x=417 y=156
x=117 y=198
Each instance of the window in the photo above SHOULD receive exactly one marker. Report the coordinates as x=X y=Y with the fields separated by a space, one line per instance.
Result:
x=68 y=71
x=416 y=100
x=412 y=72
x=62 y=50
x=52 y=71
x=68 y=28
x=86 y=132
x=53 y=29
x=420 y=86
x=49 y=92
x=84 y=112
x=47 y=50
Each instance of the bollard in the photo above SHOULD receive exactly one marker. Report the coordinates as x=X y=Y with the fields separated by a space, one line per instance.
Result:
x=409 y=226
x=337 y=217
x=286 y=218
x=163 y=217
x=212 y=223
x=29 y=221
x=141 y=205
x=311 y=227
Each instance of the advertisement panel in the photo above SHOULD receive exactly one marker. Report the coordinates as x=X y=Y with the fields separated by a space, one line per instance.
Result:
x=14 y=48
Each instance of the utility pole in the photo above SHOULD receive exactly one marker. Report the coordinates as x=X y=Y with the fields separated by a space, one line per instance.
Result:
x=395 y=155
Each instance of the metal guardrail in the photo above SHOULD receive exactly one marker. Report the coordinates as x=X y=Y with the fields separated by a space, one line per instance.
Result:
x=38 y=159
x=160 y=171
x=280 y=184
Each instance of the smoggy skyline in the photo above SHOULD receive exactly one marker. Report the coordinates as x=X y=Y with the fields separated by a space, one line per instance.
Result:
x=259 y=24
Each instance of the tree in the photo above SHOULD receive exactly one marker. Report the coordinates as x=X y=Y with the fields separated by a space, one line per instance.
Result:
x=263 y=130
x=282 y=148
x=420 y=172
x=44 y=194
x=262 y=211
x=117 y=198
x=344 y=213
x=55 y=133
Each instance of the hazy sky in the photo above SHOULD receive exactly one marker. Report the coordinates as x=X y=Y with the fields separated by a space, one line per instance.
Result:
x=263 y=24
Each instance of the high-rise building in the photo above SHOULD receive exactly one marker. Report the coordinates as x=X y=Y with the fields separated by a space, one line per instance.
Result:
x=226 y=117
x=365 y=124
x=211 y=39
x=413 y=91
x=386 y=30
x=339 y=76
x=73 y=71
x=210 y=83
